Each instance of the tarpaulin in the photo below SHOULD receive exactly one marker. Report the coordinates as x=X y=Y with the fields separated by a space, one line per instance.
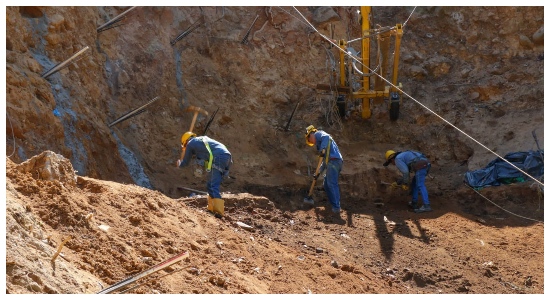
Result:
x=499 y=172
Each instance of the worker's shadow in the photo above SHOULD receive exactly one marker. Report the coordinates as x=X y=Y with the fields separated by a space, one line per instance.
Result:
x=324 y=214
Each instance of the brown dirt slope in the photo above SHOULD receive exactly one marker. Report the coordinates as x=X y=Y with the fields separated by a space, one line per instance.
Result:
x=119 y=230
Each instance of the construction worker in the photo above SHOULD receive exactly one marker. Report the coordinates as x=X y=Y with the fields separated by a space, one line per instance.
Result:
x=332 y=162
x=215 y=158
x=412 y=161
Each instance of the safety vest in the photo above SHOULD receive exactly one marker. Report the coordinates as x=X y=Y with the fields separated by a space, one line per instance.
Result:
x=209 y=165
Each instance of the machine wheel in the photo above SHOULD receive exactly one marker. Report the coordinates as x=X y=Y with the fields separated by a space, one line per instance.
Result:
x=394 y=111
x=341 y=105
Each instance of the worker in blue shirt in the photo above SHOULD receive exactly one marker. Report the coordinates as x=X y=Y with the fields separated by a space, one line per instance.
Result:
x=332 y=162
x=412 y=161
x=215 y=158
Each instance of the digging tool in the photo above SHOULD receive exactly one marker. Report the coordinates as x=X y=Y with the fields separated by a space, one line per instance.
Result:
x=191 y=190
x=196 y=111
x=309 y=199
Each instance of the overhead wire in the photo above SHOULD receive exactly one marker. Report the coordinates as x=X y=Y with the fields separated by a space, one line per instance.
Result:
x=409 y=17
x=331 y=116
x=431 y=111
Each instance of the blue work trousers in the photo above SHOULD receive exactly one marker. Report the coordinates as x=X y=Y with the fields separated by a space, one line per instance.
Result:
x=220 y=168
x=418 y=185
x=330 y=182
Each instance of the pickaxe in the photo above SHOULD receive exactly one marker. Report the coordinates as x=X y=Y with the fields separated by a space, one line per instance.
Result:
x=309 y=198
x=196 y=111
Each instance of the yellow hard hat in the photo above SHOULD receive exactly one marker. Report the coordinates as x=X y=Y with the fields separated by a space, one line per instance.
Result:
x=185 y=137
x=389 y=155
x=309 y=130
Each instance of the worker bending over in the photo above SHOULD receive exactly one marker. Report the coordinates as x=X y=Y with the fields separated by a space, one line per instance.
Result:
x=332 y=162
x=412 y=161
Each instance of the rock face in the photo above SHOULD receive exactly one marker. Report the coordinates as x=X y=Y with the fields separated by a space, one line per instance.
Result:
x=195 y=56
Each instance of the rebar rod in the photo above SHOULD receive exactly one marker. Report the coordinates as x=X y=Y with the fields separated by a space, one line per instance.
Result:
x=115 y=19
x=63 y=64
x=113 y=25
x=291 y=116
x=210 y=121
x=245 y=39
x=133 y=113
x=193 y=26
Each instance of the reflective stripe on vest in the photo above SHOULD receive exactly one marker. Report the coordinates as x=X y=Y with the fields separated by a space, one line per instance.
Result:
x=328 y=151
x=209 y=167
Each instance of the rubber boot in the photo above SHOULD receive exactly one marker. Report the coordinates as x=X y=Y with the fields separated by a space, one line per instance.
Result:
x=218 y=205
x=210 y=205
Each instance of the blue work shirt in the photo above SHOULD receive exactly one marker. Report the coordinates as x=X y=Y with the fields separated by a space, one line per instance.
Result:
x=321 y=142
x=196 y=147
x=403 y=161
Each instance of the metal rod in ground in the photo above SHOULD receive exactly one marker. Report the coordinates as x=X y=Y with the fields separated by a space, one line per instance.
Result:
x=191 y=190
x=132 y=279
x=115 y=19
x=291 y=116
x=245 y=39
x=148 y=281
x=63 y=64
x=193 y=26
x=113 y=25
x=134 y=112
x=210 y=121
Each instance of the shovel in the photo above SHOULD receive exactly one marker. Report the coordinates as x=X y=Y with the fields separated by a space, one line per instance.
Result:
x=309 y=199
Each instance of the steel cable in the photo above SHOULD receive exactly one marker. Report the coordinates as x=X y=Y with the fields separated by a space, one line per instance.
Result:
x=503 y=208
x=418 y=102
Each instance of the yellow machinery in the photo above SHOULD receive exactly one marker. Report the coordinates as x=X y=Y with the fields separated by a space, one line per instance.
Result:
x=377 y=89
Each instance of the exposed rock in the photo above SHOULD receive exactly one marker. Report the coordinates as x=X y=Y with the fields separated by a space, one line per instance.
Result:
x=323 y=15
x=49 y=166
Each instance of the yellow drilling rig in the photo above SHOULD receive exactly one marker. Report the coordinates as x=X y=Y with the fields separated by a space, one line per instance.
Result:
x=365 y=74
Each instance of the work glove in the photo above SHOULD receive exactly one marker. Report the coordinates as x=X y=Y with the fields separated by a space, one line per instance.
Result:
x=316 y=176
x=178 y=163
x=322 y=153
x=397 y=185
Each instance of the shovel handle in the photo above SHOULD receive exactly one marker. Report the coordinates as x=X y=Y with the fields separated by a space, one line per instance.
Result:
x=314 y=178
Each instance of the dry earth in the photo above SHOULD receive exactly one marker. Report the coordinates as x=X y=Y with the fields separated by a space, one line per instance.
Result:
x=114 y=195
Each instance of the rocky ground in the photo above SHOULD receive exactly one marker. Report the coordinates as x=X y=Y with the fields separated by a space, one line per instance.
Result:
x=111 y=201
x=273 y=244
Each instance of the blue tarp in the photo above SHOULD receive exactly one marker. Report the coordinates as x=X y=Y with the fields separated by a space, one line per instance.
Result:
x=499 y=172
